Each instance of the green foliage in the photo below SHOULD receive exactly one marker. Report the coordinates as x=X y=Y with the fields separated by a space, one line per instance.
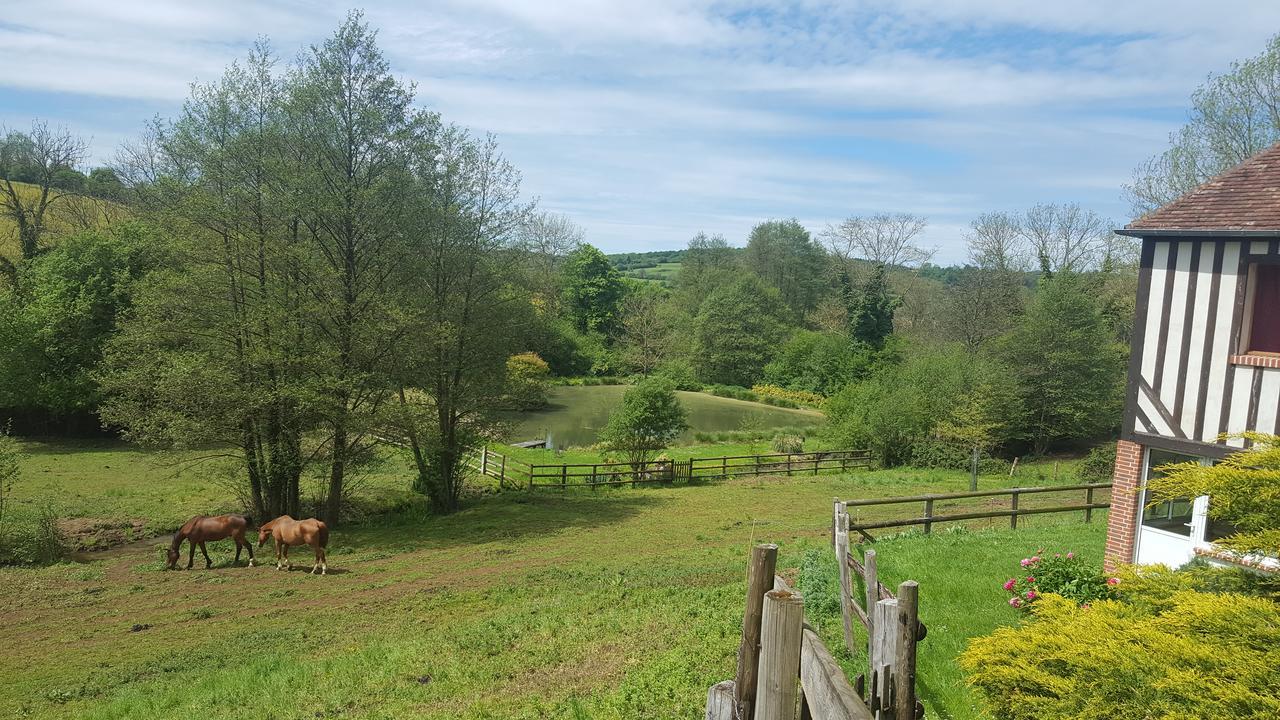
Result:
x=77 y=291
x=1068 y=369
x=1243 y=488
x=9 y=472
x=1201 y=655
x=788 y=443
x=785 y=256
x=649 y=419
x=943 y=454
x=871 y=307
x=33 y=540
x=818 y=362
x=902 y=404
x=1063 y=574
x=1099 y=465
x=528 y=380
x=1155 y=585
x=737 y=331
x=593 y=291
x=680 y=373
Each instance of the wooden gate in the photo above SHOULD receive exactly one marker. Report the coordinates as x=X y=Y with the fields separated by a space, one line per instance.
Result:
x=682 y=470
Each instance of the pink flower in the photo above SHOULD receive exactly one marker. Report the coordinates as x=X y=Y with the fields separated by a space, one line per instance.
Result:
x=1070 y=555
x=1030 y=579
x=1031 y=595
x=1035 y=558
x=1084 y=606
x=1057 y=555
x=1015 y=602
x=1113 y=581
x=1008 y=585
x=1026 y=562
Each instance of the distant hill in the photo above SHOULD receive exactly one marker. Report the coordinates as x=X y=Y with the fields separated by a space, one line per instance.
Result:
x=658 y=266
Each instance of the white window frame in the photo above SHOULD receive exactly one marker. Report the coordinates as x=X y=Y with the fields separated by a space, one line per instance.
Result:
x=1199 y=509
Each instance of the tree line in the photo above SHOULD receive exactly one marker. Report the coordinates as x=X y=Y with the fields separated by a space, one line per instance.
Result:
x=303 y=266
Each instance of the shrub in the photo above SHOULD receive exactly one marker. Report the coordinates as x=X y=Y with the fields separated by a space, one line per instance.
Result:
x=36 y=542
x=1066 y=575
x=1201 y=655
x=528 y=379
x=1099 y=464
x=680 y=374
x=788 y=443
x=649 y=418
x=795 y=397
x=940 y=454
x=1155 y=584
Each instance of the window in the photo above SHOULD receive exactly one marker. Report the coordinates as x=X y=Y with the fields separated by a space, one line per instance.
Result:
x=1263 y=310
x=1172 y=516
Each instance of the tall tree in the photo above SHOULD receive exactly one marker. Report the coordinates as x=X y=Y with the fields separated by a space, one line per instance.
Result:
x=871 y=308
x=649 y=418
x=458 y=283
x=1066 y=238
x=785 y=256
x=1069 y=369
x=1233 y=116
x=708 y=262
x=593 y=290
x=36 y=158
x=356 y=128
x=547 y=239
x=883 y=239
x=219 y=350
x=647 y=326
x=737 y=331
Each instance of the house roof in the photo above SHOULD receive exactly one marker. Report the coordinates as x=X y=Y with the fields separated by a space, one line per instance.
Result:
x=1244 y=200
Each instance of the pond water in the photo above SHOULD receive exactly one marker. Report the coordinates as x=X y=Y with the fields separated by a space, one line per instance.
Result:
x=578 y=413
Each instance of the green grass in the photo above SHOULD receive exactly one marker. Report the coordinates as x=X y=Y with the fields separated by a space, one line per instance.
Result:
x=960 y=572
x=617 y=604
x=666 y=272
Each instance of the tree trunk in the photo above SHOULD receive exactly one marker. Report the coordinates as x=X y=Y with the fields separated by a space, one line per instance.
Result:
x=337 y=474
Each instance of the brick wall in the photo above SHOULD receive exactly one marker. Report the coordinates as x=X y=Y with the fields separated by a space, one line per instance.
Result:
x=1122 y=520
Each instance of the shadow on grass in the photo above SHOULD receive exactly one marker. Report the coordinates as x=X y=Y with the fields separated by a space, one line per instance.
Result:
x=508 y=517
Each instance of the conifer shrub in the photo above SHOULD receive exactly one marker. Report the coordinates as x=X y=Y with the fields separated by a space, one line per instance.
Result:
x=1195 y=655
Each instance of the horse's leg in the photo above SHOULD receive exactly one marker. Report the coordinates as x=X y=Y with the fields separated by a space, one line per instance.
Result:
x=284 y=549
x=249 y=546
x=315 y=567
x=279 y=562
x=191 y=555
x=208 y=563
x=237 y=542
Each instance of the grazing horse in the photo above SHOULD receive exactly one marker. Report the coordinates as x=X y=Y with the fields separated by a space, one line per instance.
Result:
x=201 y=529
x=286 y=532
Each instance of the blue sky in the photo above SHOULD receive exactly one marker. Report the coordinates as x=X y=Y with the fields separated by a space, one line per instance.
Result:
x=647 y=122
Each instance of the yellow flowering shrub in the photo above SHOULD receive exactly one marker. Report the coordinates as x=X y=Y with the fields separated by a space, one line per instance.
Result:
x=1192 y=655
x=799 y=397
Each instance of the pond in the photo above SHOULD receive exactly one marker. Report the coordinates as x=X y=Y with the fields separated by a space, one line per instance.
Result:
x=578 y=413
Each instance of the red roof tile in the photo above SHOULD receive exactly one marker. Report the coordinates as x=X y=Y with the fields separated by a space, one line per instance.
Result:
x=1246 y=197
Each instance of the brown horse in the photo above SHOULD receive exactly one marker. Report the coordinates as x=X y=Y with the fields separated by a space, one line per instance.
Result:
x=286 y=532
x=201 y=529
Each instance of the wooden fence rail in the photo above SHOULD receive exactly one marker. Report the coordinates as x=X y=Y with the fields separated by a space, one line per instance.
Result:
x=929 y=518
x=564 y=476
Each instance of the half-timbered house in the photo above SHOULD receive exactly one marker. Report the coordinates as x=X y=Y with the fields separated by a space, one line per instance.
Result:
x=1205 y=358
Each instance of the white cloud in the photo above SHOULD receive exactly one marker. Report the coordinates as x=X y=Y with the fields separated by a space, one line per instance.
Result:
x=649 y=121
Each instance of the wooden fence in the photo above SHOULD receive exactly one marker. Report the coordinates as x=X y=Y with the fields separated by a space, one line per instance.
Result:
x=928 y=518
x=785 y=671
x=706 y=468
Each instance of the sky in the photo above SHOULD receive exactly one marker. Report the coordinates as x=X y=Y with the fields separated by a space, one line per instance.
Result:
x=647 y=122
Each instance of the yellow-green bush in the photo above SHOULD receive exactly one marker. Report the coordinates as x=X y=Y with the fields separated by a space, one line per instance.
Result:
x=1196 y=655
x=799 y=397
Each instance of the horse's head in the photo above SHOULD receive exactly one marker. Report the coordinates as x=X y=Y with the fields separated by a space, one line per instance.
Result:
x=264 y=530
x=171 y=558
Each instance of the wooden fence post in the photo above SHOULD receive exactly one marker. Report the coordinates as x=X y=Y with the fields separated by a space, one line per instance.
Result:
x=928 y=516
x=884 y=653
x=1088 y=500
x=724 y=466
x=564 y=476
x=904 y=666
x=846 y=586
x=781 y=634
x=837 y=509
x=871 y=583
x=788 y=464
x=1013 y=517
x=720 y=701
x=502 y=471
x=764 y=561
x=484 y=460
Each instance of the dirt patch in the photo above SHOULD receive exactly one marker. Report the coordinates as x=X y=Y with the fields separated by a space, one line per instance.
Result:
x=83 y=534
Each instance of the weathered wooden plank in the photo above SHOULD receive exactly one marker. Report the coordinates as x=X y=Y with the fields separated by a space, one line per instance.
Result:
x=760 y=578
x=827 y=691
x=883 y=656
x=780 y=640
x=846 y=589
x=981 y=493
x=720 y=701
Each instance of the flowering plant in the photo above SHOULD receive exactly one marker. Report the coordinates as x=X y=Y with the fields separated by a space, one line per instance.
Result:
x=1063 y=574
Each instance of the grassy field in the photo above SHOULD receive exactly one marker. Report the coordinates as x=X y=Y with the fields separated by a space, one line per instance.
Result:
x=610 y=604
x=665 y=272
x=577 y=413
